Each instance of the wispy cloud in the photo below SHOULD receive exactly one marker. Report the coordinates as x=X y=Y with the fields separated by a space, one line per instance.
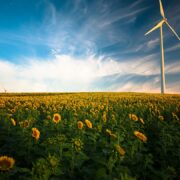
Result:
x=153 y=43
x=173 y=48
x=125 y=14
x=173 y=67
x=136 y=3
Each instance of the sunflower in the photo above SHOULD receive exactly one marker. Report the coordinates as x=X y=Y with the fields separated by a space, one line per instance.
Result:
x=120 y=150
x=113 y=135
x=88 y=123
x=140 y=135
x=25 y=123
x=80 y=124
x=56 y=118
x=48 y=117
x=104 y=117
x=141 y=120
x=175 y=117
x=77 y=144
x=110 y=133
x=35 y=133
x=13 y=122
x=161 y=118
x=133 y=117
x=6 y=163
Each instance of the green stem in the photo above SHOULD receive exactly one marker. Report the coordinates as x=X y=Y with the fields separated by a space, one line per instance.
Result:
x=72 y=162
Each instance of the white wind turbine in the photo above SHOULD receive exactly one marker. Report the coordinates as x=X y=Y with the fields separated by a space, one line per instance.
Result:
x=160 y=25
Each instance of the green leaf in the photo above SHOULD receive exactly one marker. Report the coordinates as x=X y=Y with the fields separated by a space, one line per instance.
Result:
x=80 y=159
x=101 y=173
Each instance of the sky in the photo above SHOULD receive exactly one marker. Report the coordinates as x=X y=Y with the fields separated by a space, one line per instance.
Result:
x=87 y=45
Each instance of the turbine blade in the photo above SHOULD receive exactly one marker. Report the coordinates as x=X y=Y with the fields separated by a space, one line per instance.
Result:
x=172 y=30
x=155 y=27
x=161 y=9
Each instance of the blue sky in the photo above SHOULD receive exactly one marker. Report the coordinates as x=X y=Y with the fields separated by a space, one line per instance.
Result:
x=86 y=45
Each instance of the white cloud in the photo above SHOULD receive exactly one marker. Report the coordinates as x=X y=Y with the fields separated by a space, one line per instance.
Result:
x=149 y=86
x=65 y=73
x=134 y=87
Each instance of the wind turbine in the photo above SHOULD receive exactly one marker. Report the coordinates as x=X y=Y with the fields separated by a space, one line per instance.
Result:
x=5 y=90
x=160 y=26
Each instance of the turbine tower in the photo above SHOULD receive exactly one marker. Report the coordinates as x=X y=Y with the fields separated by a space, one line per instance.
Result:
x=160 y=26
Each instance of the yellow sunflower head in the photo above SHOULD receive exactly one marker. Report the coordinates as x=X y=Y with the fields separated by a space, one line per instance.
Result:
x=6 y=163
x=108 y=132
x=80 y=124
x=88 y=123
x=161 y=118
x=25 y=123
x=133 y=117
x=13 y=122
x=35 y=133
x=120 y=150
x=56 y=118
x=104 y=117
x=141 y=120
x=140 y=135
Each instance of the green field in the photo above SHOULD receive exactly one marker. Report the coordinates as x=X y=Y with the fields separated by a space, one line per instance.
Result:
x=89 y=136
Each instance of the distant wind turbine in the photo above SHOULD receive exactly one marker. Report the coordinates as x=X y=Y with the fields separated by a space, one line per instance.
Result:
x=5 y=90
x=160 y=25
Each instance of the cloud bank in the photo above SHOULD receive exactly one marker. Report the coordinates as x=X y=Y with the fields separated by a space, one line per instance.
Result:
x=66 y=73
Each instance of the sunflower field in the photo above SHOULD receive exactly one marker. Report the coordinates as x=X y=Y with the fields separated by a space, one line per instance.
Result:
x=113 y=136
